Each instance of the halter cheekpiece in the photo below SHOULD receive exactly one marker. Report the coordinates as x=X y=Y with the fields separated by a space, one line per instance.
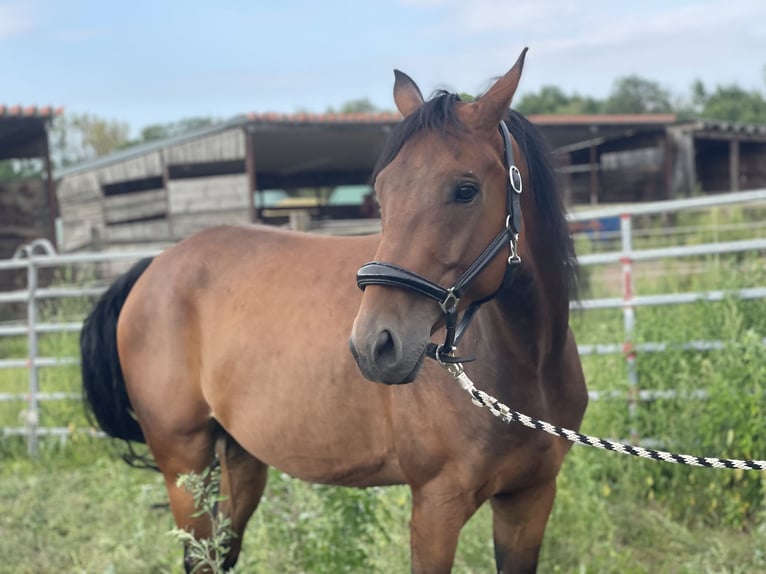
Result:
x=388 y=274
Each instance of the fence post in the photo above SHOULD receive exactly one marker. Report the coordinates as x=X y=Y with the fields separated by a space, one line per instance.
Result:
x=629 y=322
x=33 y=412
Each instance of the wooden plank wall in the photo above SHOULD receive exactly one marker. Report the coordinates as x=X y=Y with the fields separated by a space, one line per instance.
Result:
x=24 y=214
x=93 y=220
x=139 y=231
x=203 y=202
x=224 y=146
x=81 y=210
x=132 y=206
x=130 y=169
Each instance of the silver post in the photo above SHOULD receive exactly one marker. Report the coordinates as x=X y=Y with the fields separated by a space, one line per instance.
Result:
x=629 y=320
x=33 y=415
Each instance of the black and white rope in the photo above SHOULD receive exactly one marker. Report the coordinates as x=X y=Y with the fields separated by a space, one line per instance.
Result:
x=508 y=415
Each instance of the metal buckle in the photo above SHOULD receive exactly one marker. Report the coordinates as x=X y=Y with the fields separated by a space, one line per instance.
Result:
x=450 y=301
x=514 y=256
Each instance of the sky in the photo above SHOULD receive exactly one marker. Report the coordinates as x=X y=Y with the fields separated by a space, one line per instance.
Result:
x=157 y=61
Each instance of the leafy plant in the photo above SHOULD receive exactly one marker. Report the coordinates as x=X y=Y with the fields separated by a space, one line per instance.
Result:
x=210 y=552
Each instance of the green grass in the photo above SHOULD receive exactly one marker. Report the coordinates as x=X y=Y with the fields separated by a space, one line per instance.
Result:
x=77 y=508
x=81 y=510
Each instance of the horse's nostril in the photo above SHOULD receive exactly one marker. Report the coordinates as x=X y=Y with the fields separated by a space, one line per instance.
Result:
x=384 y=350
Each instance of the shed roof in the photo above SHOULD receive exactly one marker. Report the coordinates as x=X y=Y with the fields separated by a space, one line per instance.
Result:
x=352 y=142
x=719 y=129
x=562 y=130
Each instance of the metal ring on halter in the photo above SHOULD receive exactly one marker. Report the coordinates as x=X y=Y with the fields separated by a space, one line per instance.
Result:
x=437 y=356
x=454 y=369
x=515 y=177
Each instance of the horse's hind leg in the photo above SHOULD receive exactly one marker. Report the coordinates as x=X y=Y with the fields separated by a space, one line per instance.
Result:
x=243 y=478
x=184 y=453
x=242 y=482
x=518 y=522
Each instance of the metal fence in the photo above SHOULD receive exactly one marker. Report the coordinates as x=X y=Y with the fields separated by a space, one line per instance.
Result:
x=626 y=256
x=40 y=254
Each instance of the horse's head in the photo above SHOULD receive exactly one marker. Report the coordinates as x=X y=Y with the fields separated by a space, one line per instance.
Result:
x=443 y=187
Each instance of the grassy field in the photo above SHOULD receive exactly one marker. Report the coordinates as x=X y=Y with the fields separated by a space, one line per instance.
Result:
x=82 y=511
x=77 y=508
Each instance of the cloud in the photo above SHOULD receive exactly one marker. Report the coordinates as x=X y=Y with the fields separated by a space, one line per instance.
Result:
x=15 y=19
x=424 y=3
x=603 y=20
x=585 y=46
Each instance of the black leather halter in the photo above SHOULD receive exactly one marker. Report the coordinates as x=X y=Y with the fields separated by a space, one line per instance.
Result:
x=388 y=274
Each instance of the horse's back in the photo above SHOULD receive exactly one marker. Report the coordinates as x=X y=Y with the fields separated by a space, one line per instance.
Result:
x=250 y=326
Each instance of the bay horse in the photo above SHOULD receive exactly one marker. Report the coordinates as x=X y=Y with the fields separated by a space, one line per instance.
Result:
x=233 y=345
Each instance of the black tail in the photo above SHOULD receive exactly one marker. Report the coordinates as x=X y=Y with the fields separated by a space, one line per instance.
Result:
x=103 y=384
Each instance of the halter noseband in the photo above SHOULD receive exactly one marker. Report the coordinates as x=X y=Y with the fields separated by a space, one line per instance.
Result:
x=388 y=274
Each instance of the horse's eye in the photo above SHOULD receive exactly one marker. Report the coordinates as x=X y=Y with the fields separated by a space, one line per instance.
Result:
x=465 y=192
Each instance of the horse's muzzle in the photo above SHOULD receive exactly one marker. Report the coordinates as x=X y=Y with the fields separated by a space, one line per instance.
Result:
x=383 y=356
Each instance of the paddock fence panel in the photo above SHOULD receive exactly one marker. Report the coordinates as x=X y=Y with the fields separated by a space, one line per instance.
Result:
x=39 y=255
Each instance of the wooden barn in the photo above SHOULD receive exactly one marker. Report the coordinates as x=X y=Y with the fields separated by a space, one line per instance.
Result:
x=313 y=169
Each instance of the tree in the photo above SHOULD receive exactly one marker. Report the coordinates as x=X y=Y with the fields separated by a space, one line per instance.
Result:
x=553 y=100
x=17 y=169
x=357 y=106
x=549 y=100
x=732 y=103
x=155 y=132
x=637 y=95
x=80 y=137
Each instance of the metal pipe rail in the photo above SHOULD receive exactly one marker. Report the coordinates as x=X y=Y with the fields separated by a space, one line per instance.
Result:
x=672 y=205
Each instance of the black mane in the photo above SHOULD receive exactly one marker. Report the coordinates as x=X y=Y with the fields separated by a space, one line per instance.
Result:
x=439 y=114
x=548 y=200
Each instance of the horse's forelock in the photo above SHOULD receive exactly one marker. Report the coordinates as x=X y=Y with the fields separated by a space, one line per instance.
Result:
x=438 y=114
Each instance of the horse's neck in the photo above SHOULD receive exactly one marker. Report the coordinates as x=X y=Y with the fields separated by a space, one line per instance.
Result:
x=535 y=309
x=516 y=337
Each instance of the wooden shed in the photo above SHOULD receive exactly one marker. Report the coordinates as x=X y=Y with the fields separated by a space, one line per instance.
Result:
x=27 y=206
x=161 y=192
x=718 y=156
x=633 y=158
x=610 y=157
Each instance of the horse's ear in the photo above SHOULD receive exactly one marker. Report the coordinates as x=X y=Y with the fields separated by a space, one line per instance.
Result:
x=406 y=94
x=493 y=105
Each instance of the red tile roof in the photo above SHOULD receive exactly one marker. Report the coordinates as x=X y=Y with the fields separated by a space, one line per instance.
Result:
x=603 y=119
x=301 y=118
x=29 y=111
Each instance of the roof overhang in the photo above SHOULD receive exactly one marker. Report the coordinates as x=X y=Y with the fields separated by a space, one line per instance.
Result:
x=23 y=131
x=313 y=151
x=568 y=132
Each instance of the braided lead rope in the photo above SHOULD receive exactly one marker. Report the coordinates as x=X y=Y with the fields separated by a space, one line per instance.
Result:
x=504 y=413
